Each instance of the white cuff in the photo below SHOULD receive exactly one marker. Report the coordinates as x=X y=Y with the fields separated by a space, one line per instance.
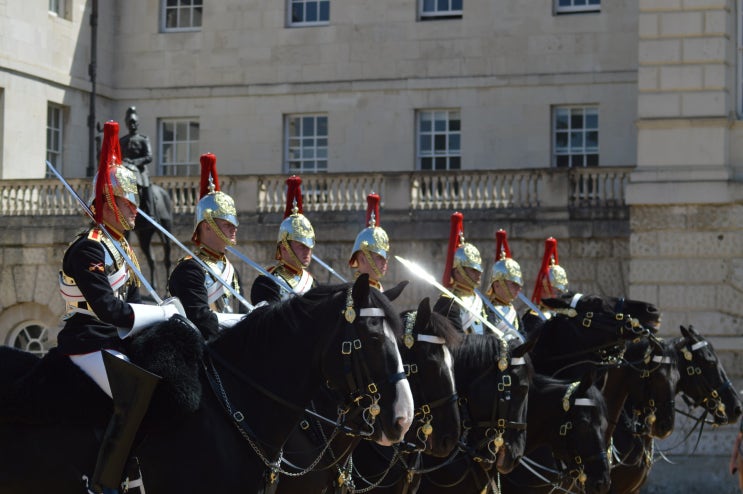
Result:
x=227 y=319
x=147 y=315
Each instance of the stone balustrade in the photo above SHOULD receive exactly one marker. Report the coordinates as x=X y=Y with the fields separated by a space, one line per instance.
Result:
x=477 y=189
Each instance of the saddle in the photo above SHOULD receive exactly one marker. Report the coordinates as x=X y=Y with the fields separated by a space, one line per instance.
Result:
x=53 y=390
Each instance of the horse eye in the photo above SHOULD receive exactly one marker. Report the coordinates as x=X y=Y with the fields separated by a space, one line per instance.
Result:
x=374 y=322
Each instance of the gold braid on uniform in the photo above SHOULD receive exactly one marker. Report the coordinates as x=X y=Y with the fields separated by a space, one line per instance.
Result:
x=133 y=278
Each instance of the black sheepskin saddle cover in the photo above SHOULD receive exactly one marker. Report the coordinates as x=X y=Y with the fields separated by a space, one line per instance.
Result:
x=53 y=390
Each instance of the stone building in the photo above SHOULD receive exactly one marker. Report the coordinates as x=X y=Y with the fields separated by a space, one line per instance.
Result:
x=412 y=91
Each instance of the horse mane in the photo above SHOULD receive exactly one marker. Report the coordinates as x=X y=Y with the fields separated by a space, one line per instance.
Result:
x=476 y=354
x=262 y=322
x=440 y=326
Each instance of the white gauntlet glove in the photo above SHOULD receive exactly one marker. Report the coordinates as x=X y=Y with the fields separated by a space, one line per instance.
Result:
x=228 y=319
x=147 y=315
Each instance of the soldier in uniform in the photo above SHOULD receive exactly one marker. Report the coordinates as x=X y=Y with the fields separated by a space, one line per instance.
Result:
x=208 y=304
x=103 y=307
x=503 y=288
x=462 y=276
x=552 y=281
x=293 y=252
x=370 y=252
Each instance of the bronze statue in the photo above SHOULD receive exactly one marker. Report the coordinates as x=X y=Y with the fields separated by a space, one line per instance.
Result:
x=137 y=155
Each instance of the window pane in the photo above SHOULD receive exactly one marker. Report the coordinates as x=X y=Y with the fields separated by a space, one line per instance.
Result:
x=561 y=141
x=562 y=161
x=440 y=163
x=311 y=12
x=425 y=143
x=426 y=163
x=429 y=5
x=561 y=120
x=592 y=140
x=576 y=120
x=322 y=126
x=456 y=5
x=592 y=120
x=297 y=12
x=439 y=125
x=325 y=11
x=592 y=160
x=308 y=126
x=425 y=123
x=455 y=163
x=442 y=5
x=576 y=139
x=439 y=143
x=454 y=142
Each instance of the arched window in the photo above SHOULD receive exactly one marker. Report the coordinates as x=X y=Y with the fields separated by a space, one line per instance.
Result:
x=32 y=337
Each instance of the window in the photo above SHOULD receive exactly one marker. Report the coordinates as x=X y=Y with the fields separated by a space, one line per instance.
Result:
x=309 y=12
x=178 y=148
x=576 y=136
x=572 y=6
x=181 y=15
x=58 y=7
x=32 y=338
x=440 y=9
x=54 y=122
x=439 y=140
x=306 y=144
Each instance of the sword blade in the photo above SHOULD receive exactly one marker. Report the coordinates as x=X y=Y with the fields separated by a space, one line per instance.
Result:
x=327 y=266
x=532 y=306
x=428 y=278
x=115 y=243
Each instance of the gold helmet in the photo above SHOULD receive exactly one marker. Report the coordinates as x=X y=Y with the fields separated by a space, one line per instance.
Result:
x=213 y=203
x=295 y=225
x=552 y=276
x=112 y=178
x=373 y=238
x=504 y=268
x=460 y=254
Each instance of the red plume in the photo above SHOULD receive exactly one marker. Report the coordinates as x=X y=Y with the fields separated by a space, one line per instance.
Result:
x=372 y=206
x=455 y=231
x=501 y=245
x=550 y=253
x=293 y=191
x=208 y=169
x=110 y=156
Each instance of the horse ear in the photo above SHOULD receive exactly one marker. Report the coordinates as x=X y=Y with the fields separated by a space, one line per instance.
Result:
x=587 y=381
x=360 y=291
x=685 y=332
x=523 y=348
x=396 y=290
x=424 y=314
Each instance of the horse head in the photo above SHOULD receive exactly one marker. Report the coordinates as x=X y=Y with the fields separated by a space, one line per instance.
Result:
x=652 y=390
x=703 y=379
x=493 y=383
x=370 y=366
x=584 y=331
x=429 y=367
x=579 y=435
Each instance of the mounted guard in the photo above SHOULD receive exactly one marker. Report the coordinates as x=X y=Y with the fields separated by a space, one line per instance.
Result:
x=552 y=281
x=462 y=275
x=504 y=287
x=104 y=306
x=208 y=304
x=294 y=246
x=371 y=248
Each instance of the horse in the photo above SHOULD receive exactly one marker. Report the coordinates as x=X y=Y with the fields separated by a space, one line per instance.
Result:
x=493 y=380
x=320 y=454
x=584 y=332
x=566 y=439
x=259 y=374
x=703 y=382
x=162 y=213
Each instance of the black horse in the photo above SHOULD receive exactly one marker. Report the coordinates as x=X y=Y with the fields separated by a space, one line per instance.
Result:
x=585 y=333
x=162 y=213
x=703 y=382
x=260 y=374
x=565 y=443
x=493 y=380
x=319 y=451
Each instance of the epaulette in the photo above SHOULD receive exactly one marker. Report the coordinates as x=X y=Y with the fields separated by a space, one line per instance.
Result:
x=95 y=234
x=185 y=258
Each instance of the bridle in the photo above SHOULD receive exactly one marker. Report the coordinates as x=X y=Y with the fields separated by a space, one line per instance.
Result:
x=486 y=449
x=711 y=396
x=423 y=414
x=361 y=387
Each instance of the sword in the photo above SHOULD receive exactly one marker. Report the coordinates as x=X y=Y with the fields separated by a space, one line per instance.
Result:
x=421 y=273
x=495 y=310
x=115 y=243
x=196 y=258
x=279 y=281
x=532 y=306
x=326 y=266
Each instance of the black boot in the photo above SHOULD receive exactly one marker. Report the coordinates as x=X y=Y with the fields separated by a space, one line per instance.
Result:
x=132 y=388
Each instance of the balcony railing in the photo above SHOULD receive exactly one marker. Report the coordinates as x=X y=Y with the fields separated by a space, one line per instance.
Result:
x=493 y=189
